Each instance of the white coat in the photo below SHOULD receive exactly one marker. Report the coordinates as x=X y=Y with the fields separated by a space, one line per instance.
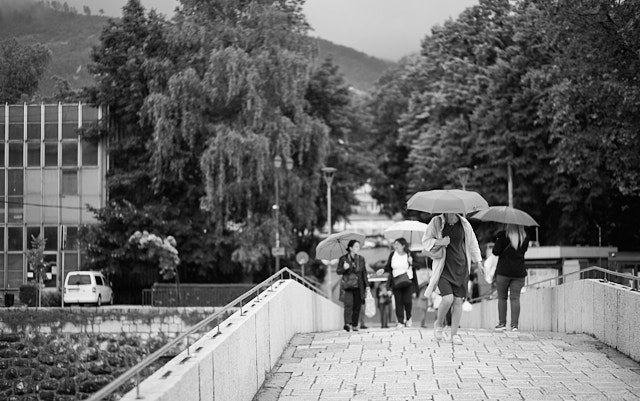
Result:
x=433 y=232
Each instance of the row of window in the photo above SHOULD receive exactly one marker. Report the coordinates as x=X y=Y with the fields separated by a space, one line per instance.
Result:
x=45 y=122
x=20 y=238
x=39 y=155
x=14 y=272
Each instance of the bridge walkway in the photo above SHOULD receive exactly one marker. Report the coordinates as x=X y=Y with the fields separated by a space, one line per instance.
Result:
x=409 y=364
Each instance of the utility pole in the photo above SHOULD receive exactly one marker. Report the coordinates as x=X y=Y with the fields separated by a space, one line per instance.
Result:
x=510 y=184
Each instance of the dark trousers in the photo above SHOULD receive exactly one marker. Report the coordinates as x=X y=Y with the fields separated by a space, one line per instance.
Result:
x=404 y=303
x=385 y=314
x=352 y=305
x=509 y=287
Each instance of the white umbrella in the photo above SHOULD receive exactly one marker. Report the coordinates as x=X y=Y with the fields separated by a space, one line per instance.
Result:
x=335 y=245
x=447 y=201
x=411 y=230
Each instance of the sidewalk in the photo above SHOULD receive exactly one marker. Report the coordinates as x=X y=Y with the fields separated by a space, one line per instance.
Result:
x=409 y=364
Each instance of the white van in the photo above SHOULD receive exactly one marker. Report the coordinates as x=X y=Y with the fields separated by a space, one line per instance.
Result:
x=86 y=287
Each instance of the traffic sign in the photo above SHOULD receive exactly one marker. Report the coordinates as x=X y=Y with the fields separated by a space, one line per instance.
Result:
x=302 y=258
x=277 y=251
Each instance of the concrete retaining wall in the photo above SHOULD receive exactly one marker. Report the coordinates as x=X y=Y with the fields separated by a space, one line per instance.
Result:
x=233 y=365
x=144 y=321
x=610 y=312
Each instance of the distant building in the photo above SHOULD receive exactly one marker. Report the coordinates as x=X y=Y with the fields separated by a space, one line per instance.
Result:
x=365 y=218
x=49 y=175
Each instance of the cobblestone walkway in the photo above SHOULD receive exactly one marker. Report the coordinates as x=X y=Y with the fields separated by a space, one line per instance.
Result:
x=409 y=364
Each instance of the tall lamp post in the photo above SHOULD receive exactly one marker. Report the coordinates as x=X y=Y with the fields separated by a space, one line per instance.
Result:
x=463 y=173
x=277 y=163
x=328 y=173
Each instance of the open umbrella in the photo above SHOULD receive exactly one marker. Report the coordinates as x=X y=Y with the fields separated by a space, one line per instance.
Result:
x=335 y=245
x=506 y=215
x=410 y=230
x=447 y=201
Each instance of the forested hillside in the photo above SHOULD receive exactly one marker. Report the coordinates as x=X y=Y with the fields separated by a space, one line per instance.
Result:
x=359 y=69
x=69 y=34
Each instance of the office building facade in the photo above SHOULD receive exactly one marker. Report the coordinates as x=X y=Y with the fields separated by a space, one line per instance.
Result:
x=48 y=176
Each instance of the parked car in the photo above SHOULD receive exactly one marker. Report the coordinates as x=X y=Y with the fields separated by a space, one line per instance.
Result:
x=87 y=287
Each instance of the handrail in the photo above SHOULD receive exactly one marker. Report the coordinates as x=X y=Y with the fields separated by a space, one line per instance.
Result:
x=134 y=372
x=562 y=277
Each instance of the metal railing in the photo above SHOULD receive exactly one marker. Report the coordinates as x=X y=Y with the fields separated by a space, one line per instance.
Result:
x=593 y=272
x=267 y=285
x=192 y=294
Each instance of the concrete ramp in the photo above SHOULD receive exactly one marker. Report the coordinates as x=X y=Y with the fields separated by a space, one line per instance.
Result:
x=232 y=363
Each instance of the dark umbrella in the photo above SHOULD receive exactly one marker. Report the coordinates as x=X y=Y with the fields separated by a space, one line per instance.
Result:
x=506 y=215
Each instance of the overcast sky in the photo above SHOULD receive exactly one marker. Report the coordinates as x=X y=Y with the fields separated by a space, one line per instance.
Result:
x=387 y=29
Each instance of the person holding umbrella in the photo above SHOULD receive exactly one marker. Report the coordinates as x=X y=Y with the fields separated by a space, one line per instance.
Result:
x=451 y=272
x=403 y=280
x=354 y=283
x=510 y=245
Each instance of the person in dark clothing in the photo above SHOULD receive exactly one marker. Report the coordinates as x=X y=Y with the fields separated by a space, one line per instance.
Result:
x=510 y=246
x=384 y=303
x=354 y=282
x=451 y=273
x=400 y=263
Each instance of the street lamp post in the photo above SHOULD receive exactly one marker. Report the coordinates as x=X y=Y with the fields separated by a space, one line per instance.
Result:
x=277 y=163
x=328 y=173
x=463 y=173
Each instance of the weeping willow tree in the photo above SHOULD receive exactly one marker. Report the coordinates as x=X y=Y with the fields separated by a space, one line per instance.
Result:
x=228 y=97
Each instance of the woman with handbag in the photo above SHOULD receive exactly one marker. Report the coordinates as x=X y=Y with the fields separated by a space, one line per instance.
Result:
x=403 y=280
x=456 y=238
x=510 y=246
x=354 y=284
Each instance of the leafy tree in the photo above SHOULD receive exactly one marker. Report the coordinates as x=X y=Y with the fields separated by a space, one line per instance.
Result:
x=591 y=110
x=331 y=101
x=216 y=108
x=228 y=101
x=35 y=259
x=63 y=92
x=160 y=251
x=21 y=68
x=390 y=100
x=545 y=87
x=123 y=81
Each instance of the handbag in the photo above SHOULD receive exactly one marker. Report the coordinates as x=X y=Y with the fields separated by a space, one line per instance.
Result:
x=350 y=278
x=350 y=281
x=401 y=281
x=369 y=304
x=489 y=267
x=436 y=252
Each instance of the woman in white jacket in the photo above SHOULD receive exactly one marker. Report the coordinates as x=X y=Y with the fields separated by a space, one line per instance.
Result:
x=451 y=272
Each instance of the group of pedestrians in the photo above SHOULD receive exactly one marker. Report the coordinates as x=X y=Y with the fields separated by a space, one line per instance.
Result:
x=449 y=277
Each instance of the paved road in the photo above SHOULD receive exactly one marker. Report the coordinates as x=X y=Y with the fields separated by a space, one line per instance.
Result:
x=409 y=364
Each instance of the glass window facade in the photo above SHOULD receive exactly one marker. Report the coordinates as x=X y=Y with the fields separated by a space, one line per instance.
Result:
x=69 y=182
x=44 y=164
x=34 y=126
x=16 y=123
x=33 y=154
